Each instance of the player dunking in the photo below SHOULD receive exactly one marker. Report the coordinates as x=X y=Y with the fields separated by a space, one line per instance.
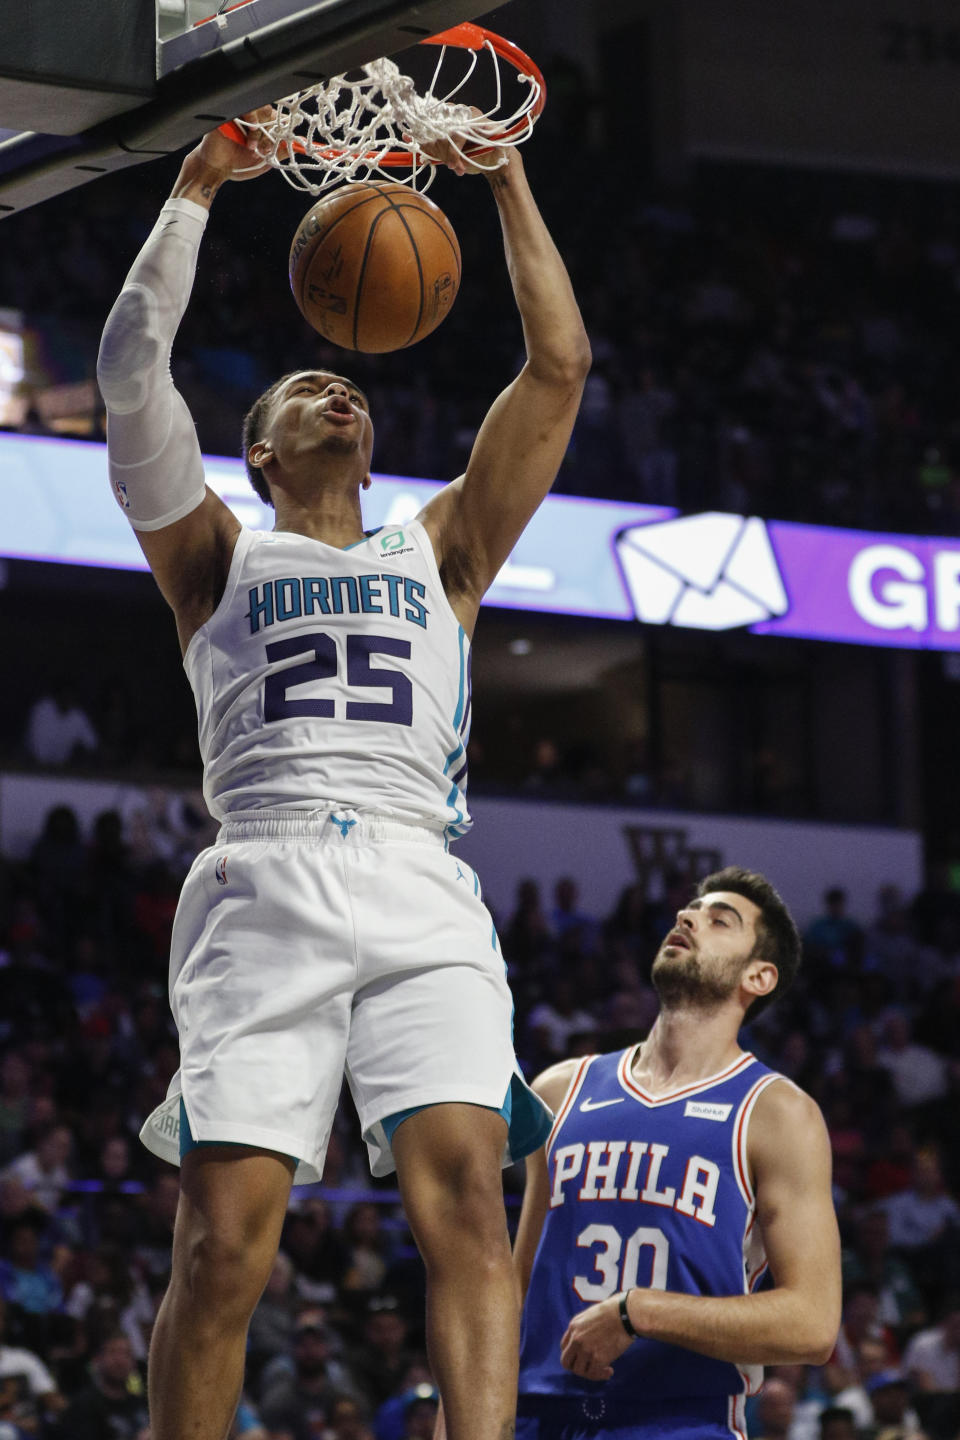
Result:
x=329 y=927
x=675 y=1174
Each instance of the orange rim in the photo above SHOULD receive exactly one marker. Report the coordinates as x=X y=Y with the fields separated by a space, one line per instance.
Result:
x=461 y=37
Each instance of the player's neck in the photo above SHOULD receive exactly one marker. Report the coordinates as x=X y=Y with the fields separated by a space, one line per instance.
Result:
x=684 y=1046
x=333 y=515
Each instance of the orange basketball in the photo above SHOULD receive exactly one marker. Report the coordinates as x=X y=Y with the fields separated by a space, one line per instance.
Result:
x=375 y=266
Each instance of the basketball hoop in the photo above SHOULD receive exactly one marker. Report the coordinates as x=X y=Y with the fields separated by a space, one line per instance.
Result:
x=351 y=129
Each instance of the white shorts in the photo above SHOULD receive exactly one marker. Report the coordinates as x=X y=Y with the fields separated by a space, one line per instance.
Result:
x=309 y=943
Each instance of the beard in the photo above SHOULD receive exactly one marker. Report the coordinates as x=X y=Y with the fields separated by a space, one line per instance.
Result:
x=684 y=979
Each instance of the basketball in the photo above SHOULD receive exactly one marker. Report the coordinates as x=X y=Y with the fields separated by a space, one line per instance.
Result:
x=375 y=266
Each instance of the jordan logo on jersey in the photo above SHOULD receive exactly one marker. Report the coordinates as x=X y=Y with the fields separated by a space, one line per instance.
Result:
x=631 y=1170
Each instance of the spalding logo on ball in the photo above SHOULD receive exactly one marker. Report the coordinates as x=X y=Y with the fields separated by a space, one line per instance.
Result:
x=375 y=266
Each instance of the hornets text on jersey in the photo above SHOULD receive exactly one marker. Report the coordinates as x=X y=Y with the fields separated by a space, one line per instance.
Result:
x=334 y=676
x=648 y=1191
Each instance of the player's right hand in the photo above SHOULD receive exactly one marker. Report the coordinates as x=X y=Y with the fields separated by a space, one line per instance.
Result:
x=230 y=160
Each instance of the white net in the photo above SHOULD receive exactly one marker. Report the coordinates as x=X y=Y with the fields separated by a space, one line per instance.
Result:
x=351 y=129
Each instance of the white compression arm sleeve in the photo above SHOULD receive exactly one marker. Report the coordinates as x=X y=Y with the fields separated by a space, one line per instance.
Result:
x=155 y=465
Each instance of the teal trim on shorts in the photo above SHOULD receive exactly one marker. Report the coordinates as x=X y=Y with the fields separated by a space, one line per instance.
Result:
x=187 y=1142
x=392 y=1121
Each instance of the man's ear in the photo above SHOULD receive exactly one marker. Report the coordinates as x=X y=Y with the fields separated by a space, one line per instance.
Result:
x=760 y=977
x=259 y=454
x=366 y=482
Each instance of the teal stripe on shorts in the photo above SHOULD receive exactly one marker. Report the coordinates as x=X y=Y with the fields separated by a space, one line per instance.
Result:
x=392 y=1121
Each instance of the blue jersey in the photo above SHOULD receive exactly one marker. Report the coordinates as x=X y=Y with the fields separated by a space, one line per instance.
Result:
x=648 y=1191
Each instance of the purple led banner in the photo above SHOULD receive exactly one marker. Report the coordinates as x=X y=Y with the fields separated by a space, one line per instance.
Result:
x=610 y=559
x=717 y=571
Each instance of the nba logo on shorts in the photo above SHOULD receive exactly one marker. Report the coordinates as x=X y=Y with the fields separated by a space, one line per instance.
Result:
x=221 y=871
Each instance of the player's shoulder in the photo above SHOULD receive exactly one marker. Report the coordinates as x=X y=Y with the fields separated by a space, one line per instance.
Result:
x=783 y=1109
x=553 y=1083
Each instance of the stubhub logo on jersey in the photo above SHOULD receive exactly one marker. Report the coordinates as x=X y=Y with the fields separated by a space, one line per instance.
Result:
x=718 y=571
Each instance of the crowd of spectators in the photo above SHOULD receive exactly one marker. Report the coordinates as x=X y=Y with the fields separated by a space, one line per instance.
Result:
x=336 y=1348
x=764 y=341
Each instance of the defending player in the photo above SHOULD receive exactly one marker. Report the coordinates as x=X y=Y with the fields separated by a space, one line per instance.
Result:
x=330 y=927
x=675 y=1174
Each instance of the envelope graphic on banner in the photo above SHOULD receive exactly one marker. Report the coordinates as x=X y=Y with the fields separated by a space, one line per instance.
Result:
x=705 y=572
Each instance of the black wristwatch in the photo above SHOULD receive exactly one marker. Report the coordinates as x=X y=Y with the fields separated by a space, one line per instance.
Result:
x=625 y=1320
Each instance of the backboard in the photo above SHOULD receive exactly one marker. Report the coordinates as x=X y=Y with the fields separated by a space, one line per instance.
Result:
x=98 y=85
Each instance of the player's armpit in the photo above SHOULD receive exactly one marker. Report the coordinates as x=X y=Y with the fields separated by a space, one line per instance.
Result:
x=190 y=560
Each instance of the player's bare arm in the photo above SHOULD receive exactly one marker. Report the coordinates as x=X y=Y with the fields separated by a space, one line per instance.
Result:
x=796 y=1321
x=475 y=522
x=151 y=437
x=552 y=1087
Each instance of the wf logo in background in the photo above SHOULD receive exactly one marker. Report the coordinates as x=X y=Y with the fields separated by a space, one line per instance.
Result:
x=662 y=854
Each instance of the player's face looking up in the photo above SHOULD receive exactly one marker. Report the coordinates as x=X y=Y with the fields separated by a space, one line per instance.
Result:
x=710 y=951
x=317 y=413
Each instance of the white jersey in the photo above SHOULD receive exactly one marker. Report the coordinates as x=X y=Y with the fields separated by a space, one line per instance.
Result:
x=334 y=676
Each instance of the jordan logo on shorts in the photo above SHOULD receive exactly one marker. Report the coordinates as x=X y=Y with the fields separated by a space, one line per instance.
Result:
x=344 y=824
x=221 y=871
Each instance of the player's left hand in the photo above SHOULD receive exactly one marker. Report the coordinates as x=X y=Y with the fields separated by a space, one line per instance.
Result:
x=449 y=153
x=593 y=1340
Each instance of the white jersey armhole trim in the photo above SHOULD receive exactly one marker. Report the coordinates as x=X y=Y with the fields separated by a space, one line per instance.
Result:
x=573 y=1090
x=741 y=1126
x=245 y=540
x=425 y=546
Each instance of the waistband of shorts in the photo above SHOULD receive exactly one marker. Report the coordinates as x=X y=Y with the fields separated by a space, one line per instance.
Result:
x=327 y=824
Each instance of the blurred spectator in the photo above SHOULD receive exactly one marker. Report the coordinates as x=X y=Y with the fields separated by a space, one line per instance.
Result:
x=833 y=940
x=778 y=1400
x=870 y=1259
x=567 y=918
x=528 y=935
x=114 y=1403
x=380 y=1361
x=925 y=1212
x=837 y=1423
x=919 y=1075
x=58 y=729
x=932 y=1358
x=420 y=1419
x=347 y=1422
x=112 y=1299
x=272 y=1323
x=552 y=1023
x=861 y=1321
x=28 y=1392
x=893 y=1418
x=298 y=1399
x=26 y=1279
x=43 y=1170
x=363 y=1233
x=316 y=1249
x=14 y=1104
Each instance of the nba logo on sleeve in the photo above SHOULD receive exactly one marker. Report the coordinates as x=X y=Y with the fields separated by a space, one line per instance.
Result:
x=121 y=492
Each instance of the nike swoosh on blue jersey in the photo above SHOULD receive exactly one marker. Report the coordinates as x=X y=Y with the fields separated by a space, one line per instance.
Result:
x=599 y=1104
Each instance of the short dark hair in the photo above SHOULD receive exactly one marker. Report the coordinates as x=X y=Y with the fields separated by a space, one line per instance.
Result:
x=778 y=939
x=253 y=424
